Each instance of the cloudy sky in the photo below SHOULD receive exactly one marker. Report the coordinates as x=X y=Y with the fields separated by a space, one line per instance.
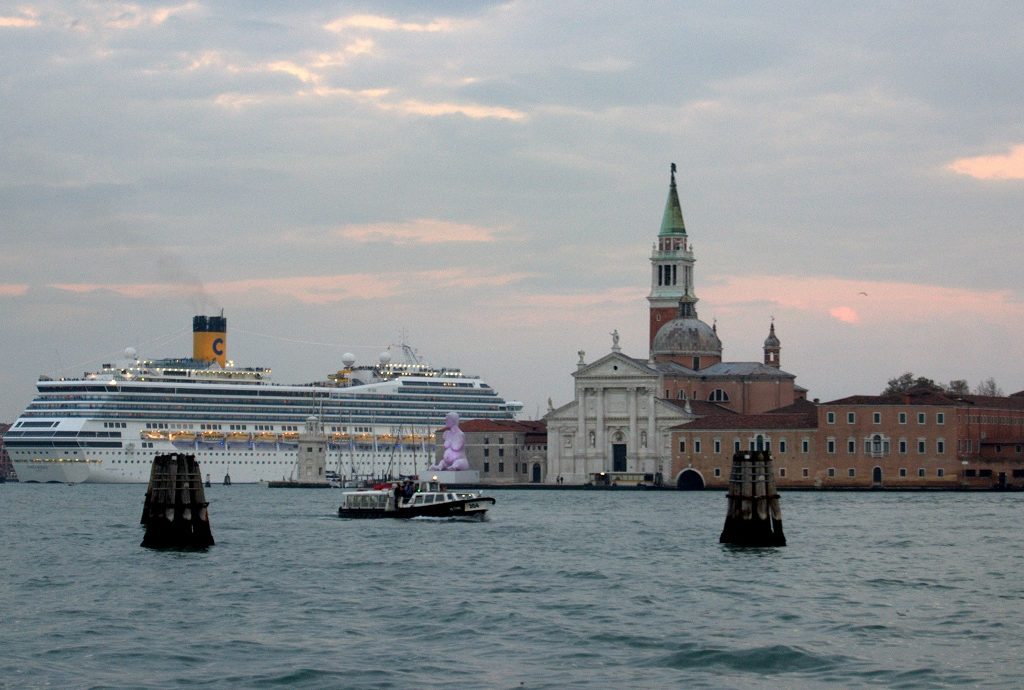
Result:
x=484 y=180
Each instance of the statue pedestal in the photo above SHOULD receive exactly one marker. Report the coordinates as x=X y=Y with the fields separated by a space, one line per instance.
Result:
x=453 y=477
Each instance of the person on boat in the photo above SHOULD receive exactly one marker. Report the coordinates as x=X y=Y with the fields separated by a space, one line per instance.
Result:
x=398 y=494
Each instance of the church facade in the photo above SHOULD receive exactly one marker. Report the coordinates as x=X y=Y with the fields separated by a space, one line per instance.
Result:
x=617 y=428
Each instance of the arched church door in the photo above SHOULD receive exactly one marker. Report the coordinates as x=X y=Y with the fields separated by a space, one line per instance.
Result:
x=536 y=473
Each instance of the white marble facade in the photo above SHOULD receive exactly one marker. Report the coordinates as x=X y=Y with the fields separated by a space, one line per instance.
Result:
x=616 y=423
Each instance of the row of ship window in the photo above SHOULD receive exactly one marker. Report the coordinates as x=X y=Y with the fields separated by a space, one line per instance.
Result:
x=366 y=414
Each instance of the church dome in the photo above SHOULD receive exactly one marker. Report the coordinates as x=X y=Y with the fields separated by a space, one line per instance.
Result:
x=688 y=337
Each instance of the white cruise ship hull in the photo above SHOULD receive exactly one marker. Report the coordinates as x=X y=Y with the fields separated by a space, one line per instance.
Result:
x=248 y=462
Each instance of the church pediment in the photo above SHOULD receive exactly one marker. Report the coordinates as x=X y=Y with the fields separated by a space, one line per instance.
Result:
x=613 y=366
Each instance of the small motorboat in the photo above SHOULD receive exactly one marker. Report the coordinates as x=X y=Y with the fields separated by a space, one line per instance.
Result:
x=413 y=498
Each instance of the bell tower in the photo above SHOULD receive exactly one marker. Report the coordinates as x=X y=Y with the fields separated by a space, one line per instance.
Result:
x=772 y=348
x=671 y=265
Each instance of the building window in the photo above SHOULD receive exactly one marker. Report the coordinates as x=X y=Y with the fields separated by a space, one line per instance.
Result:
x=718 y=395
x=487 y=452
x=903 y=446
x=903 y=471
x=903 y=417
x=806 y=472
x=921 y=417
x=830 y=417
x=851 y=446
x=487 y=467
x=876 y=417
x=501 y=467
x=718 y=472
x=736 y=445
x=805 y=446
x=696 y=445
x=920 y=446
x=940 y=446
x=782 y=471
x=940 y=472
x=501 y=452
x=831 y=471
x=830 y=446
x=782 y=445
x=851 y=417
x=682 y=445
x=718 y=446
x=852 y=472
x=920 y=471
x=940 y=417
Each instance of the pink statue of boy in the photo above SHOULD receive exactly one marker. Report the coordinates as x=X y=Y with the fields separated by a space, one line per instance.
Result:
x=454 y=457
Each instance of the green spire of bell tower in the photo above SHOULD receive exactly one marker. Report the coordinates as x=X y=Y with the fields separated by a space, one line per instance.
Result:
x=672 y=221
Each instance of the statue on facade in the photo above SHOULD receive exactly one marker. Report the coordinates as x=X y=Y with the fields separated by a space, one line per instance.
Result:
x=615 y=341
x=454 y=458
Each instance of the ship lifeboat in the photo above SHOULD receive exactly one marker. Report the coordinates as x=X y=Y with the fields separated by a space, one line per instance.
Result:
x=153 y=435
x=182 y=437
x=238 y=437
x=211 y=437
x=290 y=437
x=265 y=437
x=340 y=437
x=412 y=438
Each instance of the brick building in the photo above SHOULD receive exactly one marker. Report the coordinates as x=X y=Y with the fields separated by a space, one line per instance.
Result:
x=504 y=451
x=918 y=439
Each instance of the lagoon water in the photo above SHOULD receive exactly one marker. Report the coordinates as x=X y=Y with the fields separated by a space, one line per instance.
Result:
x=559 y=589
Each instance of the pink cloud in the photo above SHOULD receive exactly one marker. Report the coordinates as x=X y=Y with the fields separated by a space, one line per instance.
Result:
x=844 y=314
x=307 y=289
x=874 y=302
x=12 y=289
x=998 y=167
x=421 y=231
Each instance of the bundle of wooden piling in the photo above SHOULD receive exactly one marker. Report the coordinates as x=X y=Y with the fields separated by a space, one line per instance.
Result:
x=754 y=517
x=175 y=509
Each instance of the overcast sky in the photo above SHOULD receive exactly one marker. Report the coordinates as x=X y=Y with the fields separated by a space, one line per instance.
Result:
x=485 y=179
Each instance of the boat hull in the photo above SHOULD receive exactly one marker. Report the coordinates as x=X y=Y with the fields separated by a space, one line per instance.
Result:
x=475 y=507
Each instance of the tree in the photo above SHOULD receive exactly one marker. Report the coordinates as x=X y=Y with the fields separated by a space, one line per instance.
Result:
x=988 y=387
x=906 y=381
x=958 y=387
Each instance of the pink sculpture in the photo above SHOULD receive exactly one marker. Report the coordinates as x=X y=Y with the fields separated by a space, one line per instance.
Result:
x=454 y=458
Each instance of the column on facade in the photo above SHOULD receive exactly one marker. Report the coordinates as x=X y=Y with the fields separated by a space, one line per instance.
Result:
x=579 y=450
x=653 y=445
x=634 y=433
x=600 y=444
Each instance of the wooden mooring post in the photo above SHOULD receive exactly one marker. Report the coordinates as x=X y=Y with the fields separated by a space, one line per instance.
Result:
x=175 y=510
x=754 y=517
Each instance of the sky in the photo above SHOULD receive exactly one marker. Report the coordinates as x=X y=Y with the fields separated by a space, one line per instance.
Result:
x=484 y=181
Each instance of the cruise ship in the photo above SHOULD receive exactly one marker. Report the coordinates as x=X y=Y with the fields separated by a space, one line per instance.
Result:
x=377 y=420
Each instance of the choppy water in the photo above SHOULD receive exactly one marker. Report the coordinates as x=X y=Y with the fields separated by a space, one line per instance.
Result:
x=557 y=590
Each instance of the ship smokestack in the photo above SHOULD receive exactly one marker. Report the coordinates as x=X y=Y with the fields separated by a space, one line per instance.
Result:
x=209 y=339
